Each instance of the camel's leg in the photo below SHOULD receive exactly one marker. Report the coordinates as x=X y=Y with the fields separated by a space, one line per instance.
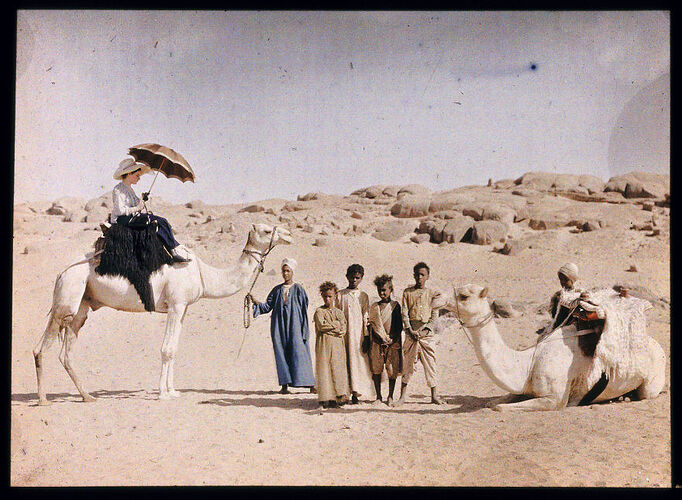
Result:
x=653 y=385
x=67 y=299
x=507 y=398
x=70 y=337
x=171 y=338
x=171 y=364
x=51 y=333
x=543 y=403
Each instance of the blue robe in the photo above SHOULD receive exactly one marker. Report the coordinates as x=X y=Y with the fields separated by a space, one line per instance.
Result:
x=289 y=332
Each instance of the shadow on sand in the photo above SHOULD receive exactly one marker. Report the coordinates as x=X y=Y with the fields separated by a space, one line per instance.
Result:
x=416 y=404
x=453 y=404
x=140 y=394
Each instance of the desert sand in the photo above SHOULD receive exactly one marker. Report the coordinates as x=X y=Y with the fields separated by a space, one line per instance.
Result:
x=232 y=427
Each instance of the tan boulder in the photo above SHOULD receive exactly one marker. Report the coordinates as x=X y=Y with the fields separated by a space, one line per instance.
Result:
x=487 y=232
x=420 y=238
x=457 y=229
x=411 y=206
x=413 y=189
x=393 y=230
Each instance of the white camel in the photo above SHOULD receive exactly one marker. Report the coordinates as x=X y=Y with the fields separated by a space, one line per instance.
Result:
x=556 y=373
x=79 y=288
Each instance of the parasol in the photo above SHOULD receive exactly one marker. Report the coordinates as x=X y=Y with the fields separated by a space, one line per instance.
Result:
x=163 y=159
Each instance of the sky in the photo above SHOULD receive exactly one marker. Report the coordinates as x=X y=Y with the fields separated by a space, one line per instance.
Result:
x=277 y=104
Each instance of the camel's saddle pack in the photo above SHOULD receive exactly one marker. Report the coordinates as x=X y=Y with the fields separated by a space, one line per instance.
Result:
x=134 y=252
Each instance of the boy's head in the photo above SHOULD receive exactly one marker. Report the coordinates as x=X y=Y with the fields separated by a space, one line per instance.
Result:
x=421 y=274
x=568 y=275
x=328 y=292
x=354 y=275
x=384 y=284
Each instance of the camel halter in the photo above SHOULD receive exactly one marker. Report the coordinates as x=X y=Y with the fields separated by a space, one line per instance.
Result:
x=248 y=304
x=486 y=319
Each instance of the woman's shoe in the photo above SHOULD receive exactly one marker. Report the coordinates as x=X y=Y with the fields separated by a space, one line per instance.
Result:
x=180 y=254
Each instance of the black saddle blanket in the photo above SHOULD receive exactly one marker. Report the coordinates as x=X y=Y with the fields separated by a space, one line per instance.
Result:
x=134 y=253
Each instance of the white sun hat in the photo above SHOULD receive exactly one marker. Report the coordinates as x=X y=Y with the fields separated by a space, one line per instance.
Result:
x=128 y=165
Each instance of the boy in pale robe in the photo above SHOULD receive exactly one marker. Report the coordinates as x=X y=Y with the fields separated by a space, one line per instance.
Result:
x=330 y=350
x=355 y=305
x=418 y=323
x=385 y=325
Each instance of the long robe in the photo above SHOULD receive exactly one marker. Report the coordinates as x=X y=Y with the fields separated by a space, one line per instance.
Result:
x=330 y=354
x=355 y=306
x=289 y=332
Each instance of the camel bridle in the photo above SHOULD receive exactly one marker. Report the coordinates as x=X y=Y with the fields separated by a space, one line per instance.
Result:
x=248 y=304
x=486 y=319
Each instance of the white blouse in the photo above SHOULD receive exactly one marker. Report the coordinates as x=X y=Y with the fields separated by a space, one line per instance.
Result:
x=125 y=201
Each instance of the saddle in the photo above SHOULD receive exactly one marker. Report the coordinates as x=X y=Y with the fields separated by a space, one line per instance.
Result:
x=133 y=252
x=588 y=316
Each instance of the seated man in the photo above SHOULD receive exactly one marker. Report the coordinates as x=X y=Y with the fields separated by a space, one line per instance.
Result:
x=563 y=301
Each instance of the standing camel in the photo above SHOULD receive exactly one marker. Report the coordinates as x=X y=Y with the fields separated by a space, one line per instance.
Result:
x=557 y=372
x=79 y=288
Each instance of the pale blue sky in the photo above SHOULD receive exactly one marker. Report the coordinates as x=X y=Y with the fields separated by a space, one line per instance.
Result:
x=267 y=104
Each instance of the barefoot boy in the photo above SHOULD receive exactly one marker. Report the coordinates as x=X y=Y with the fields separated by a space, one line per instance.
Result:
x=418 y=322
x=330 y=350
x=385 y=325
x=355 y=305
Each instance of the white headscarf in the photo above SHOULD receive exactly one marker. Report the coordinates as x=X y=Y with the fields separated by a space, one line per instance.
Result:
x=289 y=262
x=570 y=270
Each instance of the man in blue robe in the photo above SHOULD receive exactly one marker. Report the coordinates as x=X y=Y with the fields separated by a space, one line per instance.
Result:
x=289 y=330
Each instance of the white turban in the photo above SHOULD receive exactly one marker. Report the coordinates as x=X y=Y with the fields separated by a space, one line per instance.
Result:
x=570 y=270
x=289 y=262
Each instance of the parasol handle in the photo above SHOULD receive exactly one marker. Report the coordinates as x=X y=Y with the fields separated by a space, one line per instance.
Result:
x=157 y=174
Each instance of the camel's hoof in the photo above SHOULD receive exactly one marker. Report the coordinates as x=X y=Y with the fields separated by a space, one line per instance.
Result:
x=44 y=402
x=164 y=396
x=89 y=399
x=174 y=394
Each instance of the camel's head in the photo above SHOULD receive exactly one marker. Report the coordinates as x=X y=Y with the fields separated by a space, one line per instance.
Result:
x=469 y=302
x=263 y=236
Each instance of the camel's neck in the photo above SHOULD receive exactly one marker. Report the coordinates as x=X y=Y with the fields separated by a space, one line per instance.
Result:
x=509 y=369
x=224 y=282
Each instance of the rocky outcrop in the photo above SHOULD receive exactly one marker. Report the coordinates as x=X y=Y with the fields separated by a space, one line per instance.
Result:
x=253 y=208
x=457 y=229
x=411 y=206
x=392 y=230
x=486 y=232
x=640 y=185
x=504 y=309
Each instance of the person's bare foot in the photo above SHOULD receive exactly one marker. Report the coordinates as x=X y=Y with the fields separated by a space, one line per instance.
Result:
x=389 y=401
x=435 y=398
x=398 y=402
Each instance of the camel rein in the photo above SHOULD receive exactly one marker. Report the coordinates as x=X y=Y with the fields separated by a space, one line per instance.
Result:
x=248 y=304
x=542 y=338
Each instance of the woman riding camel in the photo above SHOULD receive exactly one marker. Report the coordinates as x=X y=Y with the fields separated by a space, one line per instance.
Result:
x=127 y=208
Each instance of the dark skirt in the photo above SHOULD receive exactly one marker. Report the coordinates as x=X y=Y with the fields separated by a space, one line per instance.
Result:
x=164 y=230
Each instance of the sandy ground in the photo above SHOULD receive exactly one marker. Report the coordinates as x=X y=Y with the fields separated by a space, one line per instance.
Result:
x=232 y=427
